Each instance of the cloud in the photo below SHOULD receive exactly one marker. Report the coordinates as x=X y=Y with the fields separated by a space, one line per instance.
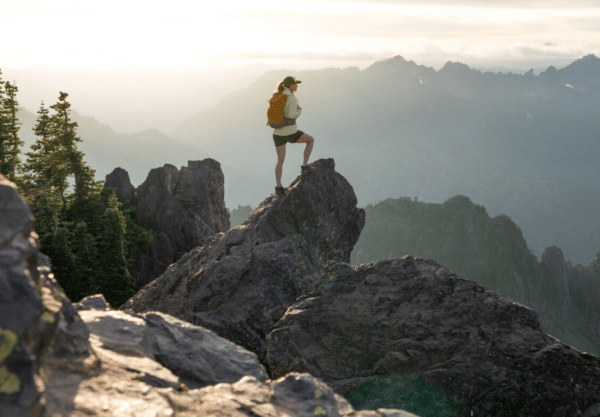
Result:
x=484 y=3
x=302 y=56
x=279 y=31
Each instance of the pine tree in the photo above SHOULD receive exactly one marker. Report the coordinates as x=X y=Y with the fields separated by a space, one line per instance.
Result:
x=45 y=176
x=88 y=234
x=12 y=142
x=4 y=134
x=65 y=137
x=117 y=284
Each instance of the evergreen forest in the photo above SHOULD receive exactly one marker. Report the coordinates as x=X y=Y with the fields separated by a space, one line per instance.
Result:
x=89 y=236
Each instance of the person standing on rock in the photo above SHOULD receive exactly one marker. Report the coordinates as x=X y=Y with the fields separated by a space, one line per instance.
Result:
x=290 y=133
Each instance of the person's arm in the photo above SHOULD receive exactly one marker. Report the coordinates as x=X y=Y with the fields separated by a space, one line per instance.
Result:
x=291 y=109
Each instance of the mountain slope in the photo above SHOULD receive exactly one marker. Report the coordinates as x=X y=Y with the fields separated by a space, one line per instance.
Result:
x=490 y=251
x=525 y=144
x=106 y=149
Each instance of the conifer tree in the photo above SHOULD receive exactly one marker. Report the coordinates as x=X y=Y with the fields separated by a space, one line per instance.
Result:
x=41 y=148
x=65 y=139
x=4 y=135
x=12 y=143
x=45 y=176
x=88 y=234
x=117 y=284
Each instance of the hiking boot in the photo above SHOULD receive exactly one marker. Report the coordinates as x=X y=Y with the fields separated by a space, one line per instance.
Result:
x=279 y=190
x=305 y=168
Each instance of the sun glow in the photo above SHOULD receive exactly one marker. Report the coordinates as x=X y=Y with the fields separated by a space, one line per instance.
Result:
x=113 y=33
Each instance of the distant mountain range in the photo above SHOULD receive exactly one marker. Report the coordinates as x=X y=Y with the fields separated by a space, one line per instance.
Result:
x=524 y=145
x=137 y=153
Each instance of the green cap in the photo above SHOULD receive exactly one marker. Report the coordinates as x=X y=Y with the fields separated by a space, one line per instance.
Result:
x=287 y=81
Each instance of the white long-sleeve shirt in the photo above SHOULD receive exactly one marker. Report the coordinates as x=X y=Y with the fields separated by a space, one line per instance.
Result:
x=290 y=111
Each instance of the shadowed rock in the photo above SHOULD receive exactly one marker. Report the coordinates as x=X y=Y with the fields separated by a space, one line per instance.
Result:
x=186 y=206
x=39 y=329
x=239 y=282
x=415 y=317
x=119 y=180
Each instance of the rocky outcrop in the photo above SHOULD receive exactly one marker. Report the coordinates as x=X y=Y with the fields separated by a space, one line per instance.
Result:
x=156 y=365
x=60 y=359
x=578 y=287
x=40 y=331
x=185 y=206
x=241 y=281
x=119 y=180
x=413 y=316
x=560 y=272
x=489 y=251
x=193 y=354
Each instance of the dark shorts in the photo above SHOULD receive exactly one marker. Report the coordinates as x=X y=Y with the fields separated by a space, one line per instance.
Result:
x=282 y=140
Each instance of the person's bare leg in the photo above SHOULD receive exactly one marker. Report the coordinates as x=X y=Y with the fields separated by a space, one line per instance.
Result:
x=279 y=167
x=309 y=140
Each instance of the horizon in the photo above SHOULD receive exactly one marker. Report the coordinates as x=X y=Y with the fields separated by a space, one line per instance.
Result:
x=156 y=66
x=46 y=81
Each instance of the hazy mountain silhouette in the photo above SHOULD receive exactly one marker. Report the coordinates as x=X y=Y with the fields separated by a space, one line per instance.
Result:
x=522 y=145
x=138 y=153
x=490 y=251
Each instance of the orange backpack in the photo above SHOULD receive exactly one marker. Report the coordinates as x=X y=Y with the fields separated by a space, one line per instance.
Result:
x=275 y=111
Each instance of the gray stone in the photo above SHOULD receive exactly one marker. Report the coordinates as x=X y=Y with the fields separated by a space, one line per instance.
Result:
x=414 y=317
x=92 y=302
x=238 y=281
x=119 y=180
x=593 y=411
x=151 y=261
x=38 y=325
x=186 y=206
x=192 y=353
x=16 y=216
x=201 y=190
x=197 y=354
x=296 y=394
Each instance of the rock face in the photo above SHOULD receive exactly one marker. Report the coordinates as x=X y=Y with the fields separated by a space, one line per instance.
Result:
x=60 y=359
x=119 y=180
x=489 y=251
x=186 y=206
x=40 y=330
x=195 y=355
x=560 y=272
x=241 y=281
x=412 y=315
x=578 y=288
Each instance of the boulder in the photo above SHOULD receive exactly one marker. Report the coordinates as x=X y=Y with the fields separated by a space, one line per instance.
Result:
x=154 y=364
x=40 y=330
x=119 y=180
x=192 y=353
x=239 y=282
x=185 y=206
x=293 y=395
x=411 y=317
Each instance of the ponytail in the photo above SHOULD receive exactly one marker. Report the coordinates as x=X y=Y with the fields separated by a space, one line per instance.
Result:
x=280 y=87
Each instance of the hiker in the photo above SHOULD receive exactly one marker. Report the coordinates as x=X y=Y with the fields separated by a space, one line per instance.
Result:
x=289 y=133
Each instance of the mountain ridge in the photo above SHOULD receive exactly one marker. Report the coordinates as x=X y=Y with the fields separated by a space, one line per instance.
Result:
x=398 y=128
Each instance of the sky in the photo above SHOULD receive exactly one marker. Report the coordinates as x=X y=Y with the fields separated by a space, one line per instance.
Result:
x=150 y=64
